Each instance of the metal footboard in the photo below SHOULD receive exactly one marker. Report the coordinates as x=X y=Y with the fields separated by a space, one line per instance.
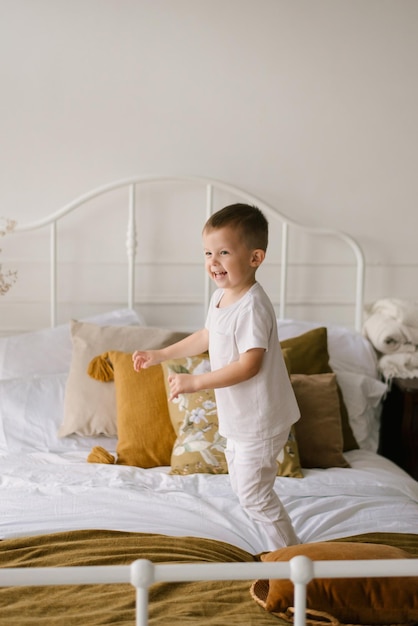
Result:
x=143 y=573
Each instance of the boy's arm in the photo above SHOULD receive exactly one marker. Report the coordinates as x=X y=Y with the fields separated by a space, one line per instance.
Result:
x=247 y=366
x=196 y=343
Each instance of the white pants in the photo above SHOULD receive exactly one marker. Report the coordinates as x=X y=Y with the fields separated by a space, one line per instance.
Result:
x=252 y=469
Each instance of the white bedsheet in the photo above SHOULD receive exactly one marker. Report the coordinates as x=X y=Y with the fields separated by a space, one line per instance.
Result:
x=46 y=493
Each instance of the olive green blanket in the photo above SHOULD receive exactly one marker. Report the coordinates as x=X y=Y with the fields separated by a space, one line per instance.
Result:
x=180 y=604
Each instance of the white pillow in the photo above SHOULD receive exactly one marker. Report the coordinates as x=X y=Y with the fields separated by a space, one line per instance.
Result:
x=48 y=351
x=31 y=410
x=348 y=350
x=362 y=396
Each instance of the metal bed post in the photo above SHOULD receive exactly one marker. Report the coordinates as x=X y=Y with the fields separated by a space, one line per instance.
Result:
x=209 y=210
x=131 y=244
x=283 y=270
x=360 y=278
x=301 y=573
x=53 y=274
x=142 y=576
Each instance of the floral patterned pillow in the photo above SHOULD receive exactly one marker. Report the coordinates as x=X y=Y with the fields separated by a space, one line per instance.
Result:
x=199 y=448
x=288 y=461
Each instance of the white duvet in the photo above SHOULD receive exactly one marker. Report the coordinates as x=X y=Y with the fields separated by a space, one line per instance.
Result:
x=46 y=493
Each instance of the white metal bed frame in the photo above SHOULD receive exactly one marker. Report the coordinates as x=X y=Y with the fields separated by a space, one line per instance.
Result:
x=143 y=573
x=211 y=186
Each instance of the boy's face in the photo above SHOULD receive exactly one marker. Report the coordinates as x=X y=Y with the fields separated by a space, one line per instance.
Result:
x=229 y=262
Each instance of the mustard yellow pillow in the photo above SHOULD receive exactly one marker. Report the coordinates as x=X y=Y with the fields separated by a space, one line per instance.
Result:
x=308 y=354
x=392 y=600
x=199 y=448
x=145 y=433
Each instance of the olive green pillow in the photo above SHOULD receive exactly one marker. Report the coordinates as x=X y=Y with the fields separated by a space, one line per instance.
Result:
x=308 y=353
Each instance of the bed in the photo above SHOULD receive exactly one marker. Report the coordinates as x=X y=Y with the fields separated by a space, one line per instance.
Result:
x=99 y=469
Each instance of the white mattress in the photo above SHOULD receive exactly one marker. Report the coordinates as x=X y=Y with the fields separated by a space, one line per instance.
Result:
x=47 y=486
x=45 y=493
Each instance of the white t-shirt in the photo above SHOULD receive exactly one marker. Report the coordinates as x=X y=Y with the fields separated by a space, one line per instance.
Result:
x=264 y=405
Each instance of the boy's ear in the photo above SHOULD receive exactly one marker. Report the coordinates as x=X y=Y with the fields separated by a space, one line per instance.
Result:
x=257 y=257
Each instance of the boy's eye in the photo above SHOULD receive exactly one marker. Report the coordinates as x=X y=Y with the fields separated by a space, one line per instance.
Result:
x=207 y=253
x=223 y=252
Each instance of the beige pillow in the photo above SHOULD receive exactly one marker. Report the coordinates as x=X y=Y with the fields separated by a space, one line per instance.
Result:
x=199 y=448
x=318 y=431
x=90 y=406
x=145 y=433
x=350 y=600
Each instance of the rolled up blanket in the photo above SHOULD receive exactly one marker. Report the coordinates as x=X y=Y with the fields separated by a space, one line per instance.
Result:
x=388 y=335
x=392 y=325
x=403 y=311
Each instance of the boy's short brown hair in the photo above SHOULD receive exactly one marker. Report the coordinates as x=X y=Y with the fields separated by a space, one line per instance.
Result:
x=249 y=219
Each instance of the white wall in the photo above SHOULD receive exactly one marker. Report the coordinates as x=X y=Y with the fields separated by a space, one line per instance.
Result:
x=310 y=104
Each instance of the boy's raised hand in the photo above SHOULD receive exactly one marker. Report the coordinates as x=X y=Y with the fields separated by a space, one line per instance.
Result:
x=145 y=358
x=181 y=383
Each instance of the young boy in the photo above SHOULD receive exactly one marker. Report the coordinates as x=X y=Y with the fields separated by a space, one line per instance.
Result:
x=255 y=400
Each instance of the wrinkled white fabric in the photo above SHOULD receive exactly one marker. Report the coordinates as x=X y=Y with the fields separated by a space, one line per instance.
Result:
x=46 y=493
x=401 y=365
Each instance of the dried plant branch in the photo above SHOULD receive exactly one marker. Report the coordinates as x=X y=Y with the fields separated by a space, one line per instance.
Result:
x=8 y=278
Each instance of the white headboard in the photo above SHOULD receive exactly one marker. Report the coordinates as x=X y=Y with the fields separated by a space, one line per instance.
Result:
x=289 y=254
